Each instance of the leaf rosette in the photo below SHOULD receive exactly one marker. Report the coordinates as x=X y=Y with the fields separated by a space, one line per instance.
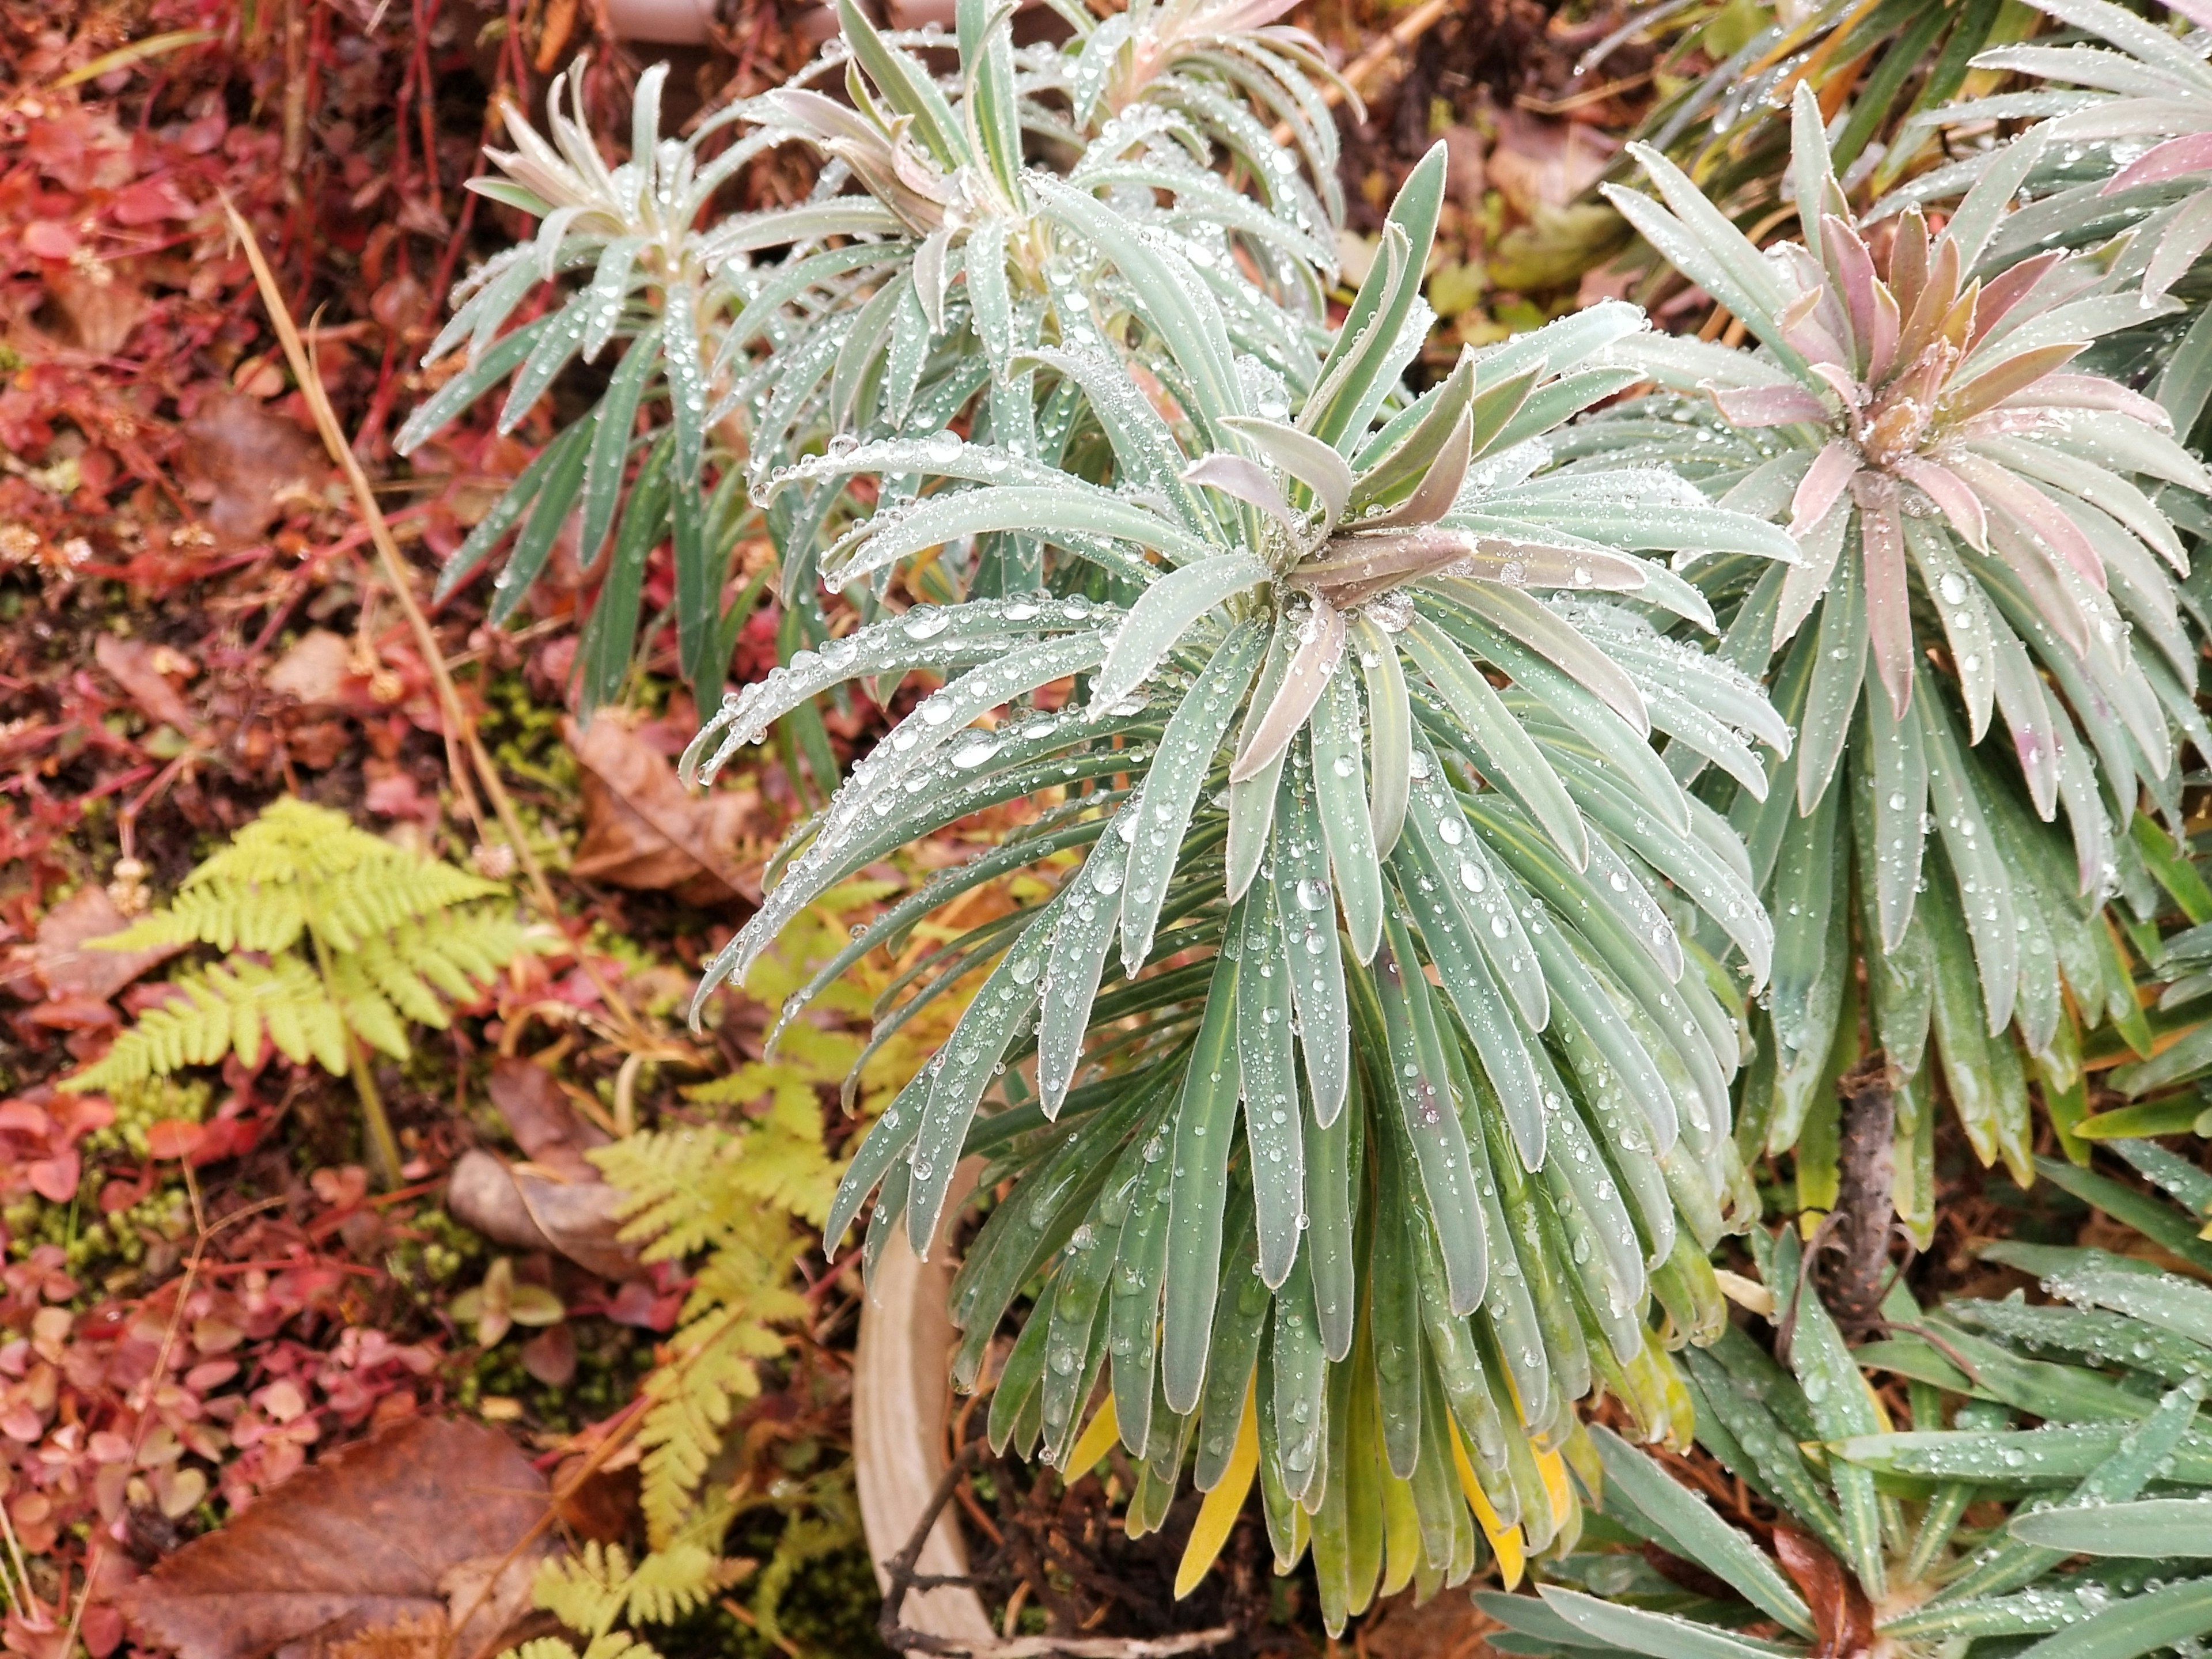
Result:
x=1402 y=1097
x=1979 y=540
x=893 y=301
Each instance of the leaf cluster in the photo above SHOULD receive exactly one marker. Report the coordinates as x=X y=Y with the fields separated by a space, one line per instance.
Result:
x=2091 y=1556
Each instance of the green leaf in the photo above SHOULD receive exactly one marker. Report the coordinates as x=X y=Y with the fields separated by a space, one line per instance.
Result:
x=1431 y=1117
x=610 y=443
x=1495 y=740
x=1205 y=1125
x=1166 y=612
x=1346 y=822
x=1710 y=1541
x=1272 y=1111
x=2155 y=1618
x=1179 y=769
x=2157 y=1528
x=564 y=478
x=1314 y=964
x=464 y=388
x=1660 y=1635
x=1390 y=731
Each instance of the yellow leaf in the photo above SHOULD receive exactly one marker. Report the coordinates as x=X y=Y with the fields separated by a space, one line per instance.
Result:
x=1504 y=1540
x=1554 y=1468
x=1104 y=1429
x=1223 y=1505
x=1401 y=1534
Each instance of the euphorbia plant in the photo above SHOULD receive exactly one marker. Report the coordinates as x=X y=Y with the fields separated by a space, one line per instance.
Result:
x=1978 y=541
x=923 y=263
x=1361 y=1159
x=1939 y=1539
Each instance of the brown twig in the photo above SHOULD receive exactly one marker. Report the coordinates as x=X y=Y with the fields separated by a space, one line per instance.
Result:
x=460 y=729
x=1363 y=68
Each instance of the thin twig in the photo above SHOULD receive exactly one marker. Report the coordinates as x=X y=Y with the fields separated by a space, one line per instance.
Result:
x=455 y=718
x=901 y=1571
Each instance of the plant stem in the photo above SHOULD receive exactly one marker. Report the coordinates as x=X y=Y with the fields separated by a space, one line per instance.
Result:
x=386 y=1143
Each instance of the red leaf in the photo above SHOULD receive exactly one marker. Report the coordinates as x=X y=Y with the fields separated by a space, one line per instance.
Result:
x=172 y=1137
x=55 y=1179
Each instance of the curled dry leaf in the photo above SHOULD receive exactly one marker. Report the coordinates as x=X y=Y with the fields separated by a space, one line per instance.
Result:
x=59 y=965
x=314 y=670
x=244 y=461
x=556 y=1201
x=1539 y=161
x=642 y=828
x=412 y=1528
x=523 y=1207
x=137 y=667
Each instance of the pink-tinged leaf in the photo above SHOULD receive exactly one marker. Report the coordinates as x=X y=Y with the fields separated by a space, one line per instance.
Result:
x=2006 y=290
x=2092 y=391
x=1908 y=259
x=1439 y=486
x=1951 y=493
x=1765 y=405
x=1889 y=607
x=1925 y=317
x=1321 y=646
x=1843 y=383
x=2197 y=11
x=1824 y=483
x=1851 y=270
x=55 y=1179
x=1246 y=481
x=1803 y=326
x=1881 y=347
x=2034 y=511
x=2014 y=373
x=2177 y=158
x=1803 y=583
x=2188 y=234
x=2035 y=566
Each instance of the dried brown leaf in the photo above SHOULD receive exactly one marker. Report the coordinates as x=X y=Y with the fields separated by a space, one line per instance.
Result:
x=244 y=460
x=132 y=664
x=380 y=1536
x=643 y=830
x=314 y=670
x=528 y=1208
x=58 y=965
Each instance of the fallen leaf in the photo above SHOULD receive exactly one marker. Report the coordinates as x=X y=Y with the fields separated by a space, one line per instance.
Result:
x=642 y=828
x=58 y=966
x=1839 y=1608
x=97 y=316
x=245 y=461
x=1442 y=1627
x=541 y=1119
x=1465 y=166
x=314 y=670
x=1539 y=161
x=380 y=1536
x=131 y=664
x=528 y=1208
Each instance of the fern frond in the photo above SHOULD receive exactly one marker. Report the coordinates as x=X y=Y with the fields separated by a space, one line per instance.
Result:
x=672 y=1582
x=543 y=1647
x=692 y=1396
x=390 y=948
x=226 y=1011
